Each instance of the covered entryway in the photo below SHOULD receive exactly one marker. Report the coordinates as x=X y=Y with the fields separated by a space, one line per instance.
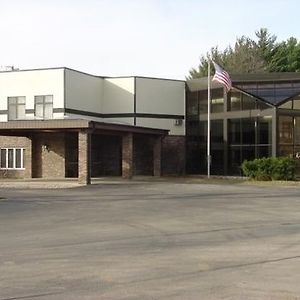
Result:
x=85 y=149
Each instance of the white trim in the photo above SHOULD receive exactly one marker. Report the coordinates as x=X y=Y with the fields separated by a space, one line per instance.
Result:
x=14 y=159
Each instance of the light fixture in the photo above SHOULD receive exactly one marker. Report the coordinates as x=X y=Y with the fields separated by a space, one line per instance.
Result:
x=46 y=147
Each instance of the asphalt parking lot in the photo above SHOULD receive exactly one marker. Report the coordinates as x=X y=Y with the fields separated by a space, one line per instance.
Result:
x=150 y=240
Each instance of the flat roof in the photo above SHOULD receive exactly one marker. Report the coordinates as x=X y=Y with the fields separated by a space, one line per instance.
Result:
x=74 y=124
x=199 y=84
x=274 y=76
x=85 y=73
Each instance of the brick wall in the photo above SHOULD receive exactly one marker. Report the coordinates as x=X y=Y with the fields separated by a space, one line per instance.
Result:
x=173 y=155
x=71 y=154
x=84 y=157
x=49 y=155
x=127 y=156
x=17 y=142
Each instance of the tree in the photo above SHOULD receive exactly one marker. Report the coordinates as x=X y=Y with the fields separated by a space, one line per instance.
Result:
x=202 y=68
x=286 y=57
x=254 y=56
x=242 y=58
x=266 y=44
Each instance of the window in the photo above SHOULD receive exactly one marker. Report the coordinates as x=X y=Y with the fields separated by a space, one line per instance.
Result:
x=217 y=101
x=16 y=108
x=235 y=101
x=285 y=127
x=12 y=158
x=43 y=107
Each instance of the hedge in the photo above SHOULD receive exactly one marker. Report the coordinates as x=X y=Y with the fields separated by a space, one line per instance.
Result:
x=271 y=168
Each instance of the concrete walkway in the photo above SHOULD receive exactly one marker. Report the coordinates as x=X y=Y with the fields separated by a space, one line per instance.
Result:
x=66 y=183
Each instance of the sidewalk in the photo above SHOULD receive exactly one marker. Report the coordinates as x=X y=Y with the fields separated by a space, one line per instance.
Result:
x=66 y=183
x=38 y=183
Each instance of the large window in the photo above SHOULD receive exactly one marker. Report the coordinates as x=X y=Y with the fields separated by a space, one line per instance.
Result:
x=199 y=105
x=289 y=136
x=239 y=101
x=293 y=103
x=16 y=108
x=43 y=107
x=272 y=92
x=217 y=101
x=192 y=108
x=285 y=127
x=12 y=158
x=249 y=138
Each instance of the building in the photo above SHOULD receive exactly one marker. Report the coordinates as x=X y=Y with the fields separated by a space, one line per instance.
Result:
x=59 y=122
x=259 y=117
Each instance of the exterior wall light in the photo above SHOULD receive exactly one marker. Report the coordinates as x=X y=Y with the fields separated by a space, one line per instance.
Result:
x=46 y=147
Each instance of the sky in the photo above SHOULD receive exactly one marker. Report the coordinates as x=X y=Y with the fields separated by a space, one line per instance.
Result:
x=155 y=38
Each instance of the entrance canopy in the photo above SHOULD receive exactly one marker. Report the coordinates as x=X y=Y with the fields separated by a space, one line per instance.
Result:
x=31 y=126
x=54 y=147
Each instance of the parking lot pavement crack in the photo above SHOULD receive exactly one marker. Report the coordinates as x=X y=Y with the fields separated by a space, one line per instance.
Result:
x=216 y=269
x=31 y=296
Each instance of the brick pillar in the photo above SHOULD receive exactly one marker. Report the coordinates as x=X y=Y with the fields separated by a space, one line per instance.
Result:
x=127 y=156
x=157 y=157
x=28 y=160
x=84 y=157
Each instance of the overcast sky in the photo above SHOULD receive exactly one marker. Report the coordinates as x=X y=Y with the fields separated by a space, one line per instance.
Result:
x=157 y=38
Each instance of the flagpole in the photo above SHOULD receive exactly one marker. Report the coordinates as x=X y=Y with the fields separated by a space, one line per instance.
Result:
x=208 y=121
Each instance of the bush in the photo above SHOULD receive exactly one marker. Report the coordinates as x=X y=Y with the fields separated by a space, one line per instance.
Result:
x=271 y=168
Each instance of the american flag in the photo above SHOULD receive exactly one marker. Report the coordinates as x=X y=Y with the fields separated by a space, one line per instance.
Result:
x=222 y=76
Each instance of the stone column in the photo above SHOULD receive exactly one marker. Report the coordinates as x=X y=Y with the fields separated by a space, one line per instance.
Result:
x=28 y=159
x=84 y=157
x=127 y=156
x=157 y=156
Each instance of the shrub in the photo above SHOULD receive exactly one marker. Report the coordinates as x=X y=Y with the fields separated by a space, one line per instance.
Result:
x=284 y=169
x=271 y=168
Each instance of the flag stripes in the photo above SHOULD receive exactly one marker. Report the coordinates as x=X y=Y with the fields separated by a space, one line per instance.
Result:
x=222 y=77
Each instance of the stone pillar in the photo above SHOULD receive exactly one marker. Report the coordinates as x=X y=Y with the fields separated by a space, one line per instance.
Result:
x=84 y=157
x=127 y=156
x=157 y=157
x=28 y=159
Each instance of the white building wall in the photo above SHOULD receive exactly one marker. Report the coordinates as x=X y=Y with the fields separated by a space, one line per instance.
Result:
x=119 y=99
x=83 y=117
x=120 y=120
x=32 y=83
x=83 y=92
x=161 y=97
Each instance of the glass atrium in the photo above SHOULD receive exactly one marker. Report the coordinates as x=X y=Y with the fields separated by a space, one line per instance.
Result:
x=259 y=117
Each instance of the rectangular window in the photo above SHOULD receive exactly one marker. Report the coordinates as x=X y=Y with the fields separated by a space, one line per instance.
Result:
x=235 y=131
x=235 y=101
x=12 y=158
x=18 y=159
x=192 y=105
x=16 y=108
x=217 y=101
x=3 y=159
x=43 y=107
x=285 y=127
